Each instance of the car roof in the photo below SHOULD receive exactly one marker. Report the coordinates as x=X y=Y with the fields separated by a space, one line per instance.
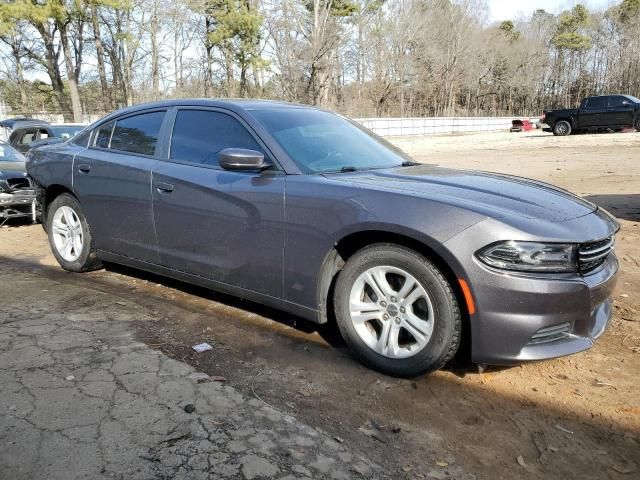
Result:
x=9 y=122
x=236 y=105
x=19 y=124
x=609 y=95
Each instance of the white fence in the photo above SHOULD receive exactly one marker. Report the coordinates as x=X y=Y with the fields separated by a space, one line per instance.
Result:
x=58 y=118
x=387 y=127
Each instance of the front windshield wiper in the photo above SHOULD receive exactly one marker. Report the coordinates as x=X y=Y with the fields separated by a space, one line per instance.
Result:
x=351 y=168
x=409 y=163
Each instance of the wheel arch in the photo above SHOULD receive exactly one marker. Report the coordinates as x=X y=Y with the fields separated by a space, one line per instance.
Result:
x=351 y=243
x=48 y=194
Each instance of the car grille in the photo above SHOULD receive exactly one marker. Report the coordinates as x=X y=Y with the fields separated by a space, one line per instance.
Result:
x=592 y=255
x=550 y=334
x=21 y=183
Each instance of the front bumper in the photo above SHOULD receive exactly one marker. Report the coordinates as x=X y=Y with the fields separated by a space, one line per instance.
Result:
x=541 y=318
x=521 y=317
x=19 y=204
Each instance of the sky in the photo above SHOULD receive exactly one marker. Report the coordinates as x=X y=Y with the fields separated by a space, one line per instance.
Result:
x=510 y=9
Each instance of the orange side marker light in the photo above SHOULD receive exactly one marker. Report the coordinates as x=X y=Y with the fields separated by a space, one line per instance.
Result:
x=466 y=291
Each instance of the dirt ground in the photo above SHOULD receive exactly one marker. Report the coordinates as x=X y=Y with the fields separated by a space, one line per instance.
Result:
x=575 y=417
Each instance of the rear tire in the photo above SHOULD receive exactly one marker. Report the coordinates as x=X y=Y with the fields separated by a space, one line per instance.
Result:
x=562 y=128
x=70 y=236
x=411 y=326
x=636 y=123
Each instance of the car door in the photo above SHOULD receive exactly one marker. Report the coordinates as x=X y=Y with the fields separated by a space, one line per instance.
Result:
x=112 y=179
x=594 y=114
x=225 y=226
x=620 y=111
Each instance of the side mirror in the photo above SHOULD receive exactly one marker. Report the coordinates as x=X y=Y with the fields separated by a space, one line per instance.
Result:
x=243 y=160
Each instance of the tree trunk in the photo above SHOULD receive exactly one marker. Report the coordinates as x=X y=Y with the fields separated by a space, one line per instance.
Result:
x=97 y=39
x=228 y=61
x=71 y=74
x=155 y=54
x=208 y=74
x=50 y=62
x=17 y=58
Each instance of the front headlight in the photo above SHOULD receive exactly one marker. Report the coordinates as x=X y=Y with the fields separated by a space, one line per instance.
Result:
x=530 y=256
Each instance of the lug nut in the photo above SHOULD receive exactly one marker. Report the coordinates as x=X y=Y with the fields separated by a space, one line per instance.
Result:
x=393 y=299
x=385 y=316
x=383 y=304
x=398 y=320
x=402 y=310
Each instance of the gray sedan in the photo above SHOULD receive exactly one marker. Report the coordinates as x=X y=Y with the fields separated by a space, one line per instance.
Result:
x=306 y=211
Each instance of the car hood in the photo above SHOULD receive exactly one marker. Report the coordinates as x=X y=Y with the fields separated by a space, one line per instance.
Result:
x=13 y=167
x=493 y=195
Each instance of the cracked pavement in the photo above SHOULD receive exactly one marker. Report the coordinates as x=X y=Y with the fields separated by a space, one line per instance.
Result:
x=81 y=398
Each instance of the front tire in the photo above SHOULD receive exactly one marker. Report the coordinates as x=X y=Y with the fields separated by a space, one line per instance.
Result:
x=69 y=235
x=396 y=311
x=636 y=123
x=562 y=128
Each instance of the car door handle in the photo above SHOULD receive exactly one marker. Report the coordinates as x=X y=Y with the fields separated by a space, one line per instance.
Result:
x=84 y=168
x=164 y=187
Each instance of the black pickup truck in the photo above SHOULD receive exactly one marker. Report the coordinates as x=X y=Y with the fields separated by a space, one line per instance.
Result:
x=595 y=113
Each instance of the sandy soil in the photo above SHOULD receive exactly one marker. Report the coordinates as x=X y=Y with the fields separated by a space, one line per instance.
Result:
x=576 y=417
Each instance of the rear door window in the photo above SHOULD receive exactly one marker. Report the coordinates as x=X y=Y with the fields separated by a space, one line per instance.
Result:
x=138 y=133
x=596 y=103
x=199 y=135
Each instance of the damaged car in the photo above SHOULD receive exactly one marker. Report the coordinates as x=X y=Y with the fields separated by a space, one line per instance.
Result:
x=17 y=195
x=33 y=135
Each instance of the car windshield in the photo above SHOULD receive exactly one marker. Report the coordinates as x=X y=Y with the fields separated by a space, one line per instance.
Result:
x=65 y=131
x=633 y=99
x=321 y=142
x=10 y=154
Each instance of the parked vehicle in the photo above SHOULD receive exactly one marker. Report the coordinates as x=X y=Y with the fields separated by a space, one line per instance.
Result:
x=306 y=211
x=521 y=126
x=8 y=125
x=17 y=195
x=613 y=112
x=31 y=135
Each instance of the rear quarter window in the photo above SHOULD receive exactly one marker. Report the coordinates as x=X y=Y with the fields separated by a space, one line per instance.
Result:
x=82 y=139
x=103 y=135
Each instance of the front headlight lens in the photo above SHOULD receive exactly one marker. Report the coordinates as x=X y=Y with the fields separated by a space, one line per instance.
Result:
x=530 y=256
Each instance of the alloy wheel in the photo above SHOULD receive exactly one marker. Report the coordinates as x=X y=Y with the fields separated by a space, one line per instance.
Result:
x=391 y=312
x=68 y=236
